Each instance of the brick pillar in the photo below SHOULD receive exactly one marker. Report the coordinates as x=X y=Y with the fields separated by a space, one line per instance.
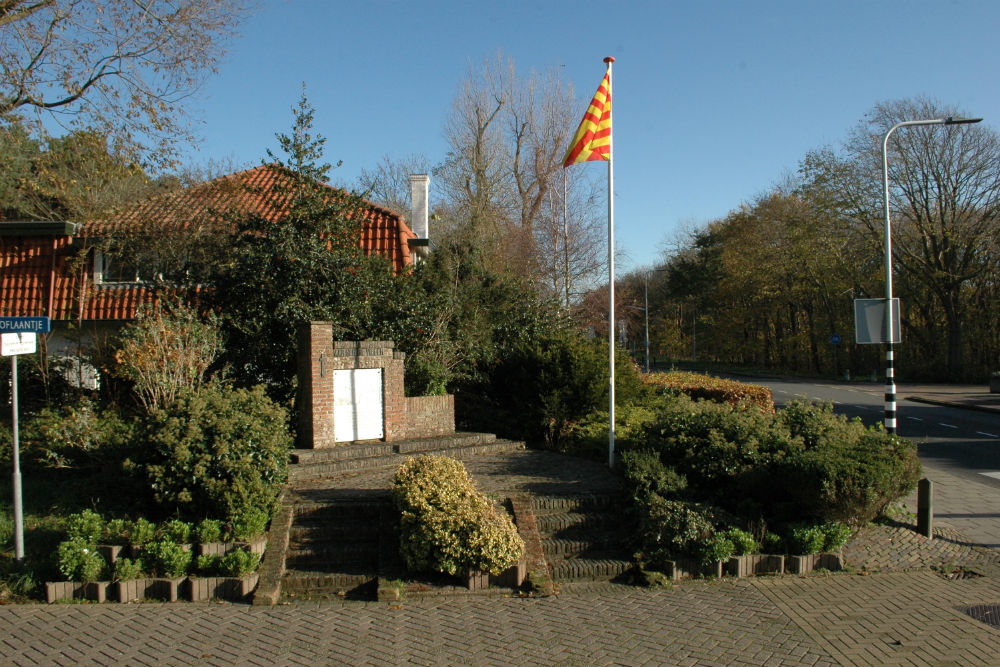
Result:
x=315 y=391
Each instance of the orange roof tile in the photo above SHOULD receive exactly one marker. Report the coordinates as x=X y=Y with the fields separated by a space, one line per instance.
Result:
x=38 y=275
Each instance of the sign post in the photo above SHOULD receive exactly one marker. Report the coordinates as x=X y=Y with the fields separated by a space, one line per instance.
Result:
x=18 y=337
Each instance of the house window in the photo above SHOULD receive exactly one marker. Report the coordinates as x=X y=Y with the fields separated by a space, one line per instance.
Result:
x=114 y=270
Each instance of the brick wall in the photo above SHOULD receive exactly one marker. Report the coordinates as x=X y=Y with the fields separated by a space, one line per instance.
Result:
x=319 y=356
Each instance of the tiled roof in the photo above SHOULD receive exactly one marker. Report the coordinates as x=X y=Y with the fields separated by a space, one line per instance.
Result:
x=38 y=274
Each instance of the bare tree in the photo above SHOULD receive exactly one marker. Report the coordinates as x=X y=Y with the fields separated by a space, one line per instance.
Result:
x=388 y=183
x=122 y=67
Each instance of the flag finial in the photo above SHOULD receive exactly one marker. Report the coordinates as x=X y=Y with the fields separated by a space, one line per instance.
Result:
x=609 y=59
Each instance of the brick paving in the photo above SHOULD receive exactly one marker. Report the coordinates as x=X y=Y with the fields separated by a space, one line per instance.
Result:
x=892 y=608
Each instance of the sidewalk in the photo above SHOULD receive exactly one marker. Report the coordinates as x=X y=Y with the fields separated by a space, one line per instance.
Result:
x=969 y=397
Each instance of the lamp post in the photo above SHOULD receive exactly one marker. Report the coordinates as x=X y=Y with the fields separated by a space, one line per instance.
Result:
x=890 y=380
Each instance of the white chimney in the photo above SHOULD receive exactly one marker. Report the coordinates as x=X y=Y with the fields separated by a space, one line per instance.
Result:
x=419 y=185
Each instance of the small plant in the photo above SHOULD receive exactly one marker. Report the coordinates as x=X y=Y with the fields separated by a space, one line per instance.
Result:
x=116 y=531
x=743 y=542
x=836 y=535
x=79 y=561
x=806 y=538
x=167 y=558
x=86 y=525
x=208 y=530
x=141 y=532
x=718 y=547
x=207 y=564
x=248 y=523
x=238 y=563
x=772 y=543
x=177 y=531
x=126 y=568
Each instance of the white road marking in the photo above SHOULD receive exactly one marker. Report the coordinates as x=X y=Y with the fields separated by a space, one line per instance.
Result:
x=988 y=435
x=994 y=475
x=916 y=419
x=946 y=425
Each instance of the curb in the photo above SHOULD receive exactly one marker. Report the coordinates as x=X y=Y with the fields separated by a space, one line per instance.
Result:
x=952 y=404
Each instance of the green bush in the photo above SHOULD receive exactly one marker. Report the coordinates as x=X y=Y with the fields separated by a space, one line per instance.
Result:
x=76 y=435
x=141 y=532
x=219 y=452
x=126 y=568
x=743 y=542
x=116 y=531
x=167 y=558
x=806 y=538
x=851 y=483
x=177 y=531
x=646 y=475
x=208 y=530
x=836 y=535
x=249 y=522
x=671 y=529
x=446 y=525
x=79 y=560
x=86 y=525
x=207 y=564
x=716 y=548
x=818 y=425
x=238 y=563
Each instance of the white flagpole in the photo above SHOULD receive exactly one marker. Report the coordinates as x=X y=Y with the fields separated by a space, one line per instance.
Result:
x=611 y=275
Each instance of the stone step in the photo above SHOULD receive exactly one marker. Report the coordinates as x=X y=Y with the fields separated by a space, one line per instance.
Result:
x=586 y=544
x=346 y=531
x=575 y=523
x=350 y=451
x=306 y=581
x=313 y=470
x=589 y=569
x=332 y=558
x=541 y=505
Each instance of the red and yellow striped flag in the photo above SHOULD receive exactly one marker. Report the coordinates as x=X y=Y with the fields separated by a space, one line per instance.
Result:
x=593 y=137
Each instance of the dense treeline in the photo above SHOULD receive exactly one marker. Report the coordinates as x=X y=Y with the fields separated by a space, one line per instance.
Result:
x=768 y=285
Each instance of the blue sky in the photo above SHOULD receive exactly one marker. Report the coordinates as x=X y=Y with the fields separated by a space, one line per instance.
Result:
x=714 y=101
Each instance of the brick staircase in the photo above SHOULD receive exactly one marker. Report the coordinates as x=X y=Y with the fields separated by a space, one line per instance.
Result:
x=340 y=540
x=584 y=538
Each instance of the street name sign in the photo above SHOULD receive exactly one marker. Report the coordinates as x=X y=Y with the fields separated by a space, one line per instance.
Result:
x=25 y=325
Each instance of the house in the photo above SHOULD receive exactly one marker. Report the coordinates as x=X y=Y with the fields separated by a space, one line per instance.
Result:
x=61 y=270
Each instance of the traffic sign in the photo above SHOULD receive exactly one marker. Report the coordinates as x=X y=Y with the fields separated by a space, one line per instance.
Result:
x=835 y=339
x=25 y=325
x=17 y=343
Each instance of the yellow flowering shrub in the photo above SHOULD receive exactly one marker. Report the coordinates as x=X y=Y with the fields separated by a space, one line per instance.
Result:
x=446 y=524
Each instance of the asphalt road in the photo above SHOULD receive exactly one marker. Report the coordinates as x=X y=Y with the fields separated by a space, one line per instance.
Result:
x=966 y=443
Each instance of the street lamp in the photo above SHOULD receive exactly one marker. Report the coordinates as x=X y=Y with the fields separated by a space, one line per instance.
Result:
x=890 y=380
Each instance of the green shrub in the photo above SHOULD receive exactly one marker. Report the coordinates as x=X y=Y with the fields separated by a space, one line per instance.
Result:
x=717 y=390
x=446 y=525
x=671 y=529
x=248 y=522
x=208 y=530
x=79 y=561
x=126 y=568
x=238 y=563
x=207 y=564
x=836 y=535
x=646 y=475
x=716 y=548
x=806 y=538
x=141 y=532
x=167 y=558
x=76 y=435
x=177 y=531
x=818 y=425
x=772 y=543
x=851 y=483
x=86 y=525
x=743 y=542
x=116 y=531
x=219 y=452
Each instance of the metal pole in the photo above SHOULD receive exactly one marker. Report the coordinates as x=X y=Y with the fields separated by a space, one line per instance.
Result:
x=890 y=375
x=565 y=239
x=645 y=299
x=611 y=282
x=18 y=510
